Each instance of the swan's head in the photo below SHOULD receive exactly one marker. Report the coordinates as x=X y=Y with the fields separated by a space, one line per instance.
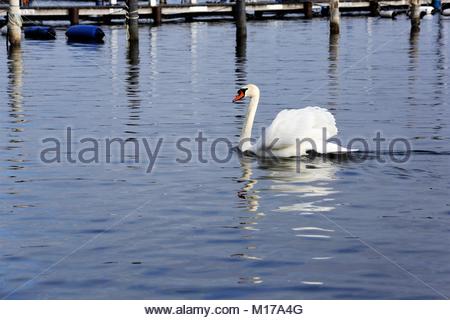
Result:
x=249 y=90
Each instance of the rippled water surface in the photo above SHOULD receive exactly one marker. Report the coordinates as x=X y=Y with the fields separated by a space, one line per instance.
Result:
x=339 y=229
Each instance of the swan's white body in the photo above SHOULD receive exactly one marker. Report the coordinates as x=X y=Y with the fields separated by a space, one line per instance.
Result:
x=292 y=133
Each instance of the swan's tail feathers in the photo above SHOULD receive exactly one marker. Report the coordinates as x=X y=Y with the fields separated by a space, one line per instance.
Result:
x=333 y=148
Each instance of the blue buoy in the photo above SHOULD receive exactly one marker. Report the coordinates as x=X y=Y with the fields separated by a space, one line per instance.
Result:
x=436 y=4
x=40 y=33
x=85 y=33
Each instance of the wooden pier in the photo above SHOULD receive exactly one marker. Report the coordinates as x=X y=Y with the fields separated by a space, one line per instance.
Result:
x=189 y=11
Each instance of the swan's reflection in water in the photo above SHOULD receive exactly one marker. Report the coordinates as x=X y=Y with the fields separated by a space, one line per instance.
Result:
x=270 y=189
x=309 y=178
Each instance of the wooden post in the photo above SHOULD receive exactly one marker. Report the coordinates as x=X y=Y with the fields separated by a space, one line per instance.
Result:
x=307 y=9
x=74 y=16
x=132 y=19
x=188 y=17
x=374 y=8
x=414 y=7
x=14 y=23
x=156 y=13
x=334 y=17
x=240 y=18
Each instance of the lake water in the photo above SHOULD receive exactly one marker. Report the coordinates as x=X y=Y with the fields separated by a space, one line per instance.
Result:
x=338 y=229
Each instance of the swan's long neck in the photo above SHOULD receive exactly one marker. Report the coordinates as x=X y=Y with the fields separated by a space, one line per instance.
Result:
x=246 y=132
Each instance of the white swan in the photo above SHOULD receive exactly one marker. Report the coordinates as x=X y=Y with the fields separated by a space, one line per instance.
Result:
x=292 y=133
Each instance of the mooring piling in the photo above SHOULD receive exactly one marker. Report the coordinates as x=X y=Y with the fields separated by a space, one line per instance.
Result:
x=14 y=32
x=334 y=17
x=307 y=9
x=240 y=18
x=374 y=8
x=74 y=16
x=414 y=8
x=156 y=12
x=190 y=10
x=132 y=20
x=190 y=17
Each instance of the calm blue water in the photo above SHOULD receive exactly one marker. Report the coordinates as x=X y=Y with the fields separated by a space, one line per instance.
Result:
x=241 y=229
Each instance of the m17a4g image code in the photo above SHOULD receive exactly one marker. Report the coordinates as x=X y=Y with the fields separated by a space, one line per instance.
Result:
x=269 y=309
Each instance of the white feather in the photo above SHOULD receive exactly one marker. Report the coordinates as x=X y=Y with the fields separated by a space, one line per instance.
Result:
x=303 y=129
x=293 y=132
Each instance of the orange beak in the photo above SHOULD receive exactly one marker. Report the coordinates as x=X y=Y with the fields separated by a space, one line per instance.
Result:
x=239 y=96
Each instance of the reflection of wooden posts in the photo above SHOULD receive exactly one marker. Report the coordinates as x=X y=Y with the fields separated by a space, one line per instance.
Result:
x=333 y=72
x=374 y=8
x=132 y=20
x=240 y=18
x=414 y=8
x=334 y=16
x=307 y=9
x=74 y=16
x=241 y=48
x=156 y=12
x=14 y=23
x=15 y=74
x=413 y=52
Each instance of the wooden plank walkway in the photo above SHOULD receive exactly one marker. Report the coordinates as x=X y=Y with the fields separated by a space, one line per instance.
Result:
x=188 y=10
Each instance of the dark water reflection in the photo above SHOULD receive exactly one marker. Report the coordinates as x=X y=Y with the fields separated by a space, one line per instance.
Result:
x=320 y=228
x=333 y=71
x=241 y=60
x=132 y=89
